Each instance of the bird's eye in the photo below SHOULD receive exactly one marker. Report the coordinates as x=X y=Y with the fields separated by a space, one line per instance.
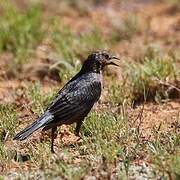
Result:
x=106 y=56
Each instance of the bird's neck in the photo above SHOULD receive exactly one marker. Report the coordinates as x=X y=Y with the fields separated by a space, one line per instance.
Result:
x=88 y=68
x=91 y=67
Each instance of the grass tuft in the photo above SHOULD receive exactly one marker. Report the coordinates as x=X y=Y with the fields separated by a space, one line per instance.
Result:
x=36 y=99
x=20 y=32
x=102 y=134
x=8 y=121
x=154 y=78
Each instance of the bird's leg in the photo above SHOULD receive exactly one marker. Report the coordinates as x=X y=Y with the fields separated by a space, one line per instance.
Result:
x=78 y=126
x=52 y=138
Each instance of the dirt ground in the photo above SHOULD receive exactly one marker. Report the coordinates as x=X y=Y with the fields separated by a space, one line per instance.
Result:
x=159 y=23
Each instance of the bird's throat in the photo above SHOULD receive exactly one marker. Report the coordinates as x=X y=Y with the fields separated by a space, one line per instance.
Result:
x=96 y=68
x=91 y=67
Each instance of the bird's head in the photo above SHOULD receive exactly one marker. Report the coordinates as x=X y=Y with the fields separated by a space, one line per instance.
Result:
x=98 y=60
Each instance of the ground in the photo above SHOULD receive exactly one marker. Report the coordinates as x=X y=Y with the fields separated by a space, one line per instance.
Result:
x=133 y=131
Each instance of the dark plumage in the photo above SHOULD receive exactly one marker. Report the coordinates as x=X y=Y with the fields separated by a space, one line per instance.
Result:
x=75 y=99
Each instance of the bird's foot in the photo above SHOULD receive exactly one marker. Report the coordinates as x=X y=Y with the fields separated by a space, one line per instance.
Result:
x=78 y=136
x=52 y=151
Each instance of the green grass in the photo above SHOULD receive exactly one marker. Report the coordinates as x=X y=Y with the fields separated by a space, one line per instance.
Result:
x=107 y=140
x=8 y=120
x=117 y=93
x=164 y=154
x=152 y=77
x=8 y=124
x=20 y=32
x=102 y=135
x=37 y=100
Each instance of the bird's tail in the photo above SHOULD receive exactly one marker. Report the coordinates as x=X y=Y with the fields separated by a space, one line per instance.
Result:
x=40 y=122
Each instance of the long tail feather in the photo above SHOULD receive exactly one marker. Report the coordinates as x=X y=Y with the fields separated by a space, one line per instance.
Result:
x=40 y=122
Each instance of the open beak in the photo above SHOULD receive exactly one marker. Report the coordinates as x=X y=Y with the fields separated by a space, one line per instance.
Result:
x=111 y=60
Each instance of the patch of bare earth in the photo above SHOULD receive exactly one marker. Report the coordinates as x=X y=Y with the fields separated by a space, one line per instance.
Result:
x=161 y=117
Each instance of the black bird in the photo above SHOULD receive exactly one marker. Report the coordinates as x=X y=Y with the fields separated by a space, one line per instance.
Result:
x=74 y=101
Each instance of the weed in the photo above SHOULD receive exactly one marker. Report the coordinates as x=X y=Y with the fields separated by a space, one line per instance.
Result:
x=117 y=93
x=8 y=125
x=8 y=121
x=164 y=152
x=148 y=79
x=106 y=132
x=38 y=101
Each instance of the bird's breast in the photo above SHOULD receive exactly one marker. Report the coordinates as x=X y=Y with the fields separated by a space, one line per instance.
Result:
x=95 y=81
x=96 y=77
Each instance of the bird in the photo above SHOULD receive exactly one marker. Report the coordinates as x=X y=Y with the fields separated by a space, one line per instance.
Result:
x=75 y=100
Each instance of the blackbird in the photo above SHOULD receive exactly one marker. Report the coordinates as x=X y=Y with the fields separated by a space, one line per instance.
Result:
x=75 y=100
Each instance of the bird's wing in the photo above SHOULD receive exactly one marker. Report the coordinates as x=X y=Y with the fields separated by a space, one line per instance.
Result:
x=66 y=89
x=75 y=99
